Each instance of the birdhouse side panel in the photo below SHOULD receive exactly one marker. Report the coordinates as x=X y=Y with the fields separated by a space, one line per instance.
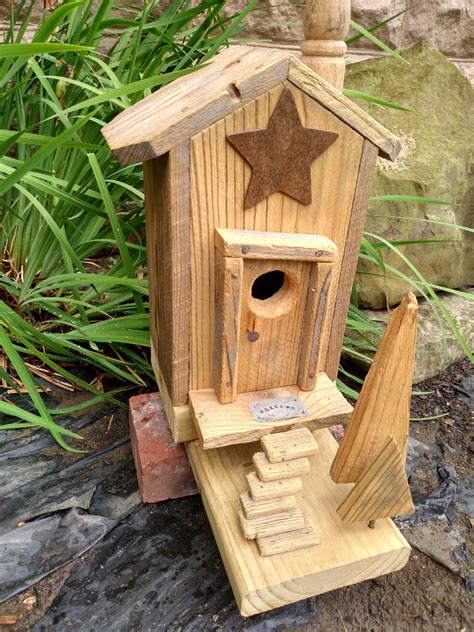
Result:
x=167 y=205
x=219 y=181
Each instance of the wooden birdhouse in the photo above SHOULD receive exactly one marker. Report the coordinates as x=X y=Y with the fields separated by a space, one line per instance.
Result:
x=257 y=175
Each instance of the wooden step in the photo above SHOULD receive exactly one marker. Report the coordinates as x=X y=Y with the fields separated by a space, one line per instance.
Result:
x=294 y=444
x=275 y=471
x=228 y=424
x=264 y=491
x=346 y=554
x=255 y=508
x=271 y=525
x=283 y=542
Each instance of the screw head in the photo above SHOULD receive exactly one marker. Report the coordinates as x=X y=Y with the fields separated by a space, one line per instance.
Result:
x=245 y=249
x=253 y=336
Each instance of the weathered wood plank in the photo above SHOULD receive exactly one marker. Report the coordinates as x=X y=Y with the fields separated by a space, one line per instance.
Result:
x=383 y=407
x=255 y=508
x=229 y=278
x=382 y=491
x=307 y=80
x=219 y=425
x=274 y=471
x=260 y=490
x=167 y=204
x=257 y=244
x=350 y=256
x=293 y=444
x=280 y=543
x=314 y=325
x=262 y=526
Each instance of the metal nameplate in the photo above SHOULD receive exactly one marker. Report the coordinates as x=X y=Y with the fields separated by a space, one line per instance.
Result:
x=277 y=409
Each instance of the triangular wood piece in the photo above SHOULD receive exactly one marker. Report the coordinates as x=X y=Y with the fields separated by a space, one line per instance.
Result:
x=383 y=407
x=382 y=491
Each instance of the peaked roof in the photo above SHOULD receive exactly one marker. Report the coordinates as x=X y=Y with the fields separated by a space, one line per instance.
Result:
x=236 y=76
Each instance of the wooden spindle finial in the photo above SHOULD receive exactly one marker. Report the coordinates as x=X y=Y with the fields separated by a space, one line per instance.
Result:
x=325 y=25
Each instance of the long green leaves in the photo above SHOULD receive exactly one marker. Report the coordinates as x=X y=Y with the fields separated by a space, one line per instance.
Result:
x=72 y=284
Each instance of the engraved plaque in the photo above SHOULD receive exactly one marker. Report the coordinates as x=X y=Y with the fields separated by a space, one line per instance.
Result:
x=277 y=409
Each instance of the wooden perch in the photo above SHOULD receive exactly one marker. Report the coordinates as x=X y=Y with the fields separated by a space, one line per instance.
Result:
x=383 y=407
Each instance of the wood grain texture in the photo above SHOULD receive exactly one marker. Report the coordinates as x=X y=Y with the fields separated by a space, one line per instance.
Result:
x=262 y=526
x=167 y=204
x=273 y=471
x=307 y=80
x=347 y=553
x=179 y=417
x=255 y=244
x=286 y=542
x=281 y=154
x=382 y=491
x=255 y=508
x=383 y=407
x=271 y=330
x=265 y=490
x=229 y=279
x=219 y=179
x=314 y=325
x=220 y=425
x=293 y=444
x=350 y=256
x=190 y=104
x=325 y=26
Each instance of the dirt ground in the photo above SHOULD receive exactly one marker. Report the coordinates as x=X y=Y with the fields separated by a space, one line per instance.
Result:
x=425 y=595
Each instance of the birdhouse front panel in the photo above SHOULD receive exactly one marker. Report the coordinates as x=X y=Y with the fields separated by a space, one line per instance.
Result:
x=255 y=143
x=237 y=183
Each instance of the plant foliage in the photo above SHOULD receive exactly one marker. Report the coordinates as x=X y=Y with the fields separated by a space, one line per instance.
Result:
x=73 y=287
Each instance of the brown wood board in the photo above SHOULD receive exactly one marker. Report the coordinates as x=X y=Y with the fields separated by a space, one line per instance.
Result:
x=286 y=446
x=383 y=407
x=167 y=204
x=347 y=553
x=257 y=244
x=350 y=256
x=219 y=425
x=382 y=491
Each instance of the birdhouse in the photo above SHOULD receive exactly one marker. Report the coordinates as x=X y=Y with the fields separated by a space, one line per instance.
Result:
x=257 y=173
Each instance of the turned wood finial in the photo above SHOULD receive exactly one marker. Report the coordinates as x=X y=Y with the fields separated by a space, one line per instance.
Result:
x=325 y=25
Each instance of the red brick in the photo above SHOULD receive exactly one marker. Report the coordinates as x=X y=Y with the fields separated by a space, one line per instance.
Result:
x=162 y=465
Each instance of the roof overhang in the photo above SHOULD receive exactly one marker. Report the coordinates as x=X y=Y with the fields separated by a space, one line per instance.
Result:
x=236 y=77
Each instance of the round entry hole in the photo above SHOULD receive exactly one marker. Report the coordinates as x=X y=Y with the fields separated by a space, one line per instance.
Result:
x=273 y=293
x=267 y=285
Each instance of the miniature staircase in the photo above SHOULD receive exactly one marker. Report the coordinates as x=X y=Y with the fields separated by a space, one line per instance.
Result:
x=270 y=513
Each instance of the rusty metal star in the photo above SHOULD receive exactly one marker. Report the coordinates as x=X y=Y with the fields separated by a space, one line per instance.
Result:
x=281 y=155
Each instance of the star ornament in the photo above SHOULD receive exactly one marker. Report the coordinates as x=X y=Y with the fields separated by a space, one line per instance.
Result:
x=281 y=155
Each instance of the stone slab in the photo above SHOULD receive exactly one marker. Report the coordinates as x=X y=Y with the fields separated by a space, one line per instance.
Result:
x=163 y=469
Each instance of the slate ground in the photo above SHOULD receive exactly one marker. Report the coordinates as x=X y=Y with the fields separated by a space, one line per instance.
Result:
x=158 y=567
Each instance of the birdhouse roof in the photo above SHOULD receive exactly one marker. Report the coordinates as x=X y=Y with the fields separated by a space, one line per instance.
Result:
x=236 y=76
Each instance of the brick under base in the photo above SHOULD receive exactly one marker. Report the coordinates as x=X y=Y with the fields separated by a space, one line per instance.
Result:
x=162 y=465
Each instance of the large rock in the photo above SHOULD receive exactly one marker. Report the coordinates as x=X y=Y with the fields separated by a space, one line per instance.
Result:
x=435 y=162
x=436 y=345
x=447 y=24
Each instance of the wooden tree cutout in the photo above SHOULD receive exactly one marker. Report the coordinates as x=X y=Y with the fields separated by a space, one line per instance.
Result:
x=382 y=491
x=383 y=407
x=281 y=155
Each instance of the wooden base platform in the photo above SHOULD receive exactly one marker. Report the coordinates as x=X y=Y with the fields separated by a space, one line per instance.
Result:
x=347 y=554
x=225 y=424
